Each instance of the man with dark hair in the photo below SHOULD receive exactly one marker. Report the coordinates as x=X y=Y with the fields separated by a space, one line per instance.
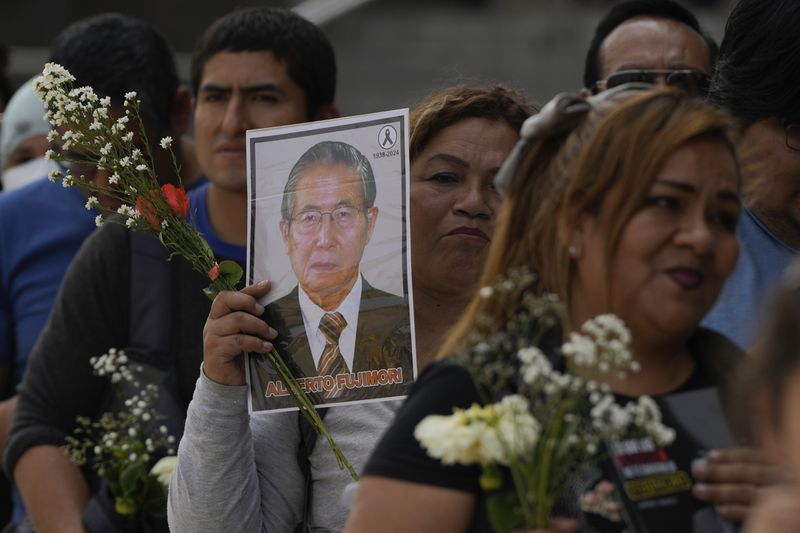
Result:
x=757 y=80
x=333 y=323
x=651 y=41
x=119 y=292
x=43 y=224
x=99 y=52
x=306 y=53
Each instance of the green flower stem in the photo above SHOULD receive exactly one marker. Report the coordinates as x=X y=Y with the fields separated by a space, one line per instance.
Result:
x=300 y=397
x=543 y=499
x=309 y=411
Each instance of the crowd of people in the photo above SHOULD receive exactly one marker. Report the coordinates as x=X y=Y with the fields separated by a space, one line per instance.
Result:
x=665 y=191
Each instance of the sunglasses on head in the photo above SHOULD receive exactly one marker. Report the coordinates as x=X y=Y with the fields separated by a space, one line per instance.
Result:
x=692 y=81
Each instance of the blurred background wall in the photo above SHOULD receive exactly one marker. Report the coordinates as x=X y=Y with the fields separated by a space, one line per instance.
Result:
x=390 y=52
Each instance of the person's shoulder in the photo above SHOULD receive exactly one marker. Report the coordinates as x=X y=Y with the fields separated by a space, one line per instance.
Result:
x=38 y=191
x=381 y=299
x=287 y=301
x=445 y=374
x=716 y=353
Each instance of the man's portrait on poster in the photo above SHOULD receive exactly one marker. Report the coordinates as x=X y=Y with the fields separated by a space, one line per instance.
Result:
x=344 y=339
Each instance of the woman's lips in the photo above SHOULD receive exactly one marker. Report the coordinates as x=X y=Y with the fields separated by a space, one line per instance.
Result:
x=687 y=278
x=469 y=233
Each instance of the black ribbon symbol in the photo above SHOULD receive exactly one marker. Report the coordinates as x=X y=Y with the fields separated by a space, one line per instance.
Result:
x=387 y=138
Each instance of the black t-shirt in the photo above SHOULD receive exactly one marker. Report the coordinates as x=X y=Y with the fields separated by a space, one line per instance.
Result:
x=440 y=388
x=445 y=385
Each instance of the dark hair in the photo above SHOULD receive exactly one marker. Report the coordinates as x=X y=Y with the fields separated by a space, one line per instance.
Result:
x=6 y=90
x=116 y=54
x=758 y=72
x=621 y=144
x=624 y=11
x=330 y=153
x=448 y=106
x=309 y=56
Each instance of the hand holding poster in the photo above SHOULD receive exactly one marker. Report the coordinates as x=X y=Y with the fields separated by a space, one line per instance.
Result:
x=328 y=225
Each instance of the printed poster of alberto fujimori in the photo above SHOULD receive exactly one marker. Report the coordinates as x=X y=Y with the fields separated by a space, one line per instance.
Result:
x=329 y=226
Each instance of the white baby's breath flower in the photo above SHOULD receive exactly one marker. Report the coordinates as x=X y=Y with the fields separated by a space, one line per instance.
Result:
x=580 y=349
x=98 y=220
x=486 y=292
x=124 y=161
x=166 y=142
x=92 y=203
x=534 y=364
x=128 y=137
x=141 y=168
x=130 y=95
x=113 y=179
x=53 y=175
x=50 y=155
x=52 y=135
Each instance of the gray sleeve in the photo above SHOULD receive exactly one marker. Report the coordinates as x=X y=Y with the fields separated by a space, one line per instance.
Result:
x=214 y=486
x=229 y=478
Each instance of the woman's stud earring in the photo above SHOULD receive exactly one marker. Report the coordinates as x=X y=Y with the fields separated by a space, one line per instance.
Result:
x=573 y=251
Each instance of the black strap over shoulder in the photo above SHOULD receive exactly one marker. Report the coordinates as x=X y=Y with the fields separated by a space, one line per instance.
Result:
x=151 y=300
x=150 y=350
x=308 y=440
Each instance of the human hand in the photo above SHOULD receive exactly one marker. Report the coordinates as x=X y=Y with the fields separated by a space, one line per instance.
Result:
x=233 y=327
x=777 y=509
x=730 y=479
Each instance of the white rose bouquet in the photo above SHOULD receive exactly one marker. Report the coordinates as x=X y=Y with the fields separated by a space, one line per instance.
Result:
x=539 y=428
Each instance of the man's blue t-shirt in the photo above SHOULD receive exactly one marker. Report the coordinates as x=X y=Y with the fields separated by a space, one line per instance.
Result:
x=198 y=212
x=42 y=226
x=762 y=260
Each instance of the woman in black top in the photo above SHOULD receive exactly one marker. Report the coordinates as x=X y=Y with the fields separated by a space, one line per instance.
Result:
x=626 y=204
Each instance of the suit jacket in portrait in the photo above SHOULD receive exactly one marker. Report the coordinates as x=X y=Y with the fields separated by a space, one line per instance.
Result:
x=383 y=340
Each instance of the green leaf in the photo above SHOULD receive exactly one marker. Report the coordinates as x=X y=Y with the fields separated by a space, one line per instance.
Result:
x=504 y=512
x=155 y=497
x=231 y=271
x=130 y=475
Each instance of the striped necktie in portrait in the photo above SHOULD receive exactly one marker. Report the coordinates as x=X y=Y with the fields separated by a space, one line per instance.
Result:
x=332 y=363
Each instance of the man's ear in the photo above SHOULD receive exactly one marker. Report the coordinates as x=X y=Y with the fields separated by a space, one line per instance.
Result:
x=284 y=225
x=182 y=110
x=372 y=218
x=327 y=111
